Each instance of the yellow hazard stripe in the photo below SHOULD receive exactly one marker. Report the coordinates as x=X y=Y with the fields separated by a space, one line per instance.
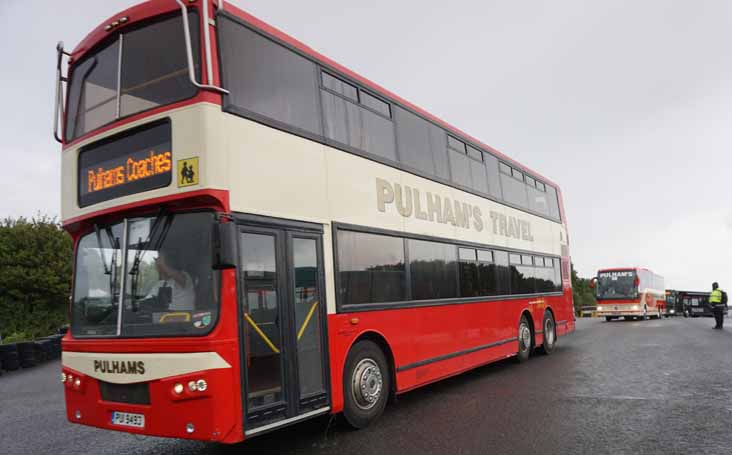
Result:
x=261 y=334
x=307 y=320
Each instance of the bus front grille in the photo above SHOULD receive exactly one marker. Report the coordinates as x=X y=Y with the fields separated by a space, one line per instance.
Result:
x=125 y=393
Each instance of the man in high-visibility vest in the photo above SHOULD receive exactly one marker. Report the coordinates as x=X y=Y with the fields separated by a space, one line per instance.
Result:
x=716 y=301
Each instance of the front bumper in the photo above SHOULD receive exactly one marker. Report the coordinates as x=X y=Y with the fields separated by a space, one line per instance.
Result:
x=619 y=310
x=208 y=414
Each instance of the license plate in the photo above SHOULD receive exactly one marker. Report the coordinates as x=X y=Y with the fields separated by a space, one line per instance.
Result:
x=697 y=310
x=128 y=419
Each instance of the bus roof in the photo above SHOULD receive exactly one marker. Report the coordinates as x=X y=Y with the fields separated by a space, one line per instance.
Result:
x=617 y=269
x=145 y=10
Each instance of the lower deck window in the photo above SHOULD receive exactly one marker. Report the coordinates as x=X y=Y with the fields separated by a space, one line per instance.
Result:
x=371 y=268
x=376 y=268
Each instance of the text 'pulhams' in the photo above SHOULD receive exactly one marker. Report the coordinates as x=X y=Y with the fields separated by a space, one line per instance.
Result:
x=119 y=366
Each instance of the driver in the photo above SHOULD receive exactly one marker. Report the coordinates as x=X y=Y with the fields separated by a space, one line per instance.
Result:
x=181 y=284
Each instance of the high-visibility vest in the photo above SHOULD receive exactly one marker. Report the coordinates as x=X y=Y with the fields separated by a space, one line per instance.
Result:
x=715 y=296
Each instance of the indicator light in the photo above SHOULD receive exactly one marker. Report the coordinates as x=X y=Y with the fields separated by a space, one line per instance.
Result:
x=77 y=383
x=192 y=386
x=63 y=377
x=178 y=388
x=190 y=428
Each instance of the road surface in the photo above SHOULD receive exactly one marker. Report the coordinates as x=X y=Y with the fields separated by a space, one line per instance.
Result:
x=651 y=387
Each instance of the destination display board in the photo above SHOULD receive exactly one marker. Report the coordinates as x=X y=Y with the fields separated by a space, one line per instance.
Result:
x=131 y=162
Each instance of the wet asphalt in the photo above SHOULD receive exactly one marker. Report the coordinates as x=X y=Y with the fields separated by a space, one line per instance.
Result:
x=640 y=387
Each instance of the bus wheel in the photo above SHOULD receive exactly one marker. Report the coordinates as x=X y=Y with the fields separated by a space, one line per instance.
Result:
x=366 y=384
x=524 y=340
x=608 y=318
x=550 y=334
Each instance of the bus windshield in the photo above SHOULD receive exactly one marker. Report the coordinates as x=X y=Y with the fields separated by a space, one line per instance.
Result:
x=164 y=265
x=136 y=70
x=617 y=284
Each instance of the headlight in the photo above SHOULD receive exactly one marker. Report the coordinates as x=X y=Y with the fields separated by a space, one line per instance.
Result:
x=636 y=307
x=672 y=311
x=599 y=308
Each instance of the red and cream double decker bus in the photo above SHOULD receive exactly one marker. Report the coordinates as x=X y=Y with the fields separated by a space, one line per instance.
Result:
x=631 y=293
x=263 y=236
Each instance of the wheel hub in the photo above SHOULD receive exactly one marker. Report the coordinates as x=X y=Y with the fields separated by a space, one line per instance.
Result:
x=367 y=383
x=525 y=337
x=549 y=332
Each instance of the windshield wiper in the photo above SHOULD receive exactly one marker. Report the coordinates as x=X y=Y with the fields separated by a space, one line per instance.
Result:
x=141 y=249
x=101 y=250
x=114 y=241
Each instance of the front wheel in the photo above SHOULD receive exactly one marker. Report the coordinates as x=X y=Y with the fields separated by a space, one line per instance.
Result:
x=550 y=334
x=608 y=318
x=524 y=340
x=366 y=384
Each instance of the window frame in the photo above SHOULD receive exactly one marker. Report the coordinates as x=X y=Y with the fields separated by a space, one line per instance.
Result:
x=356 y=308
x=115 y=38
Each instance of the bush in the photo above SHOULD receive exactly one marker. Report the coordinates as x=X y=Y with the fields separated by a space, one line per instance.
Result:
x=582 y=294
x=35 y=277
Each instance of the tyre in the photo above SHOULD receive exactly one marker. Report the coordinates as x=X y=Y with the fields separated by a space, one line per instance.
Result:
x=11 y=362
x=27 y=354
x=44 y=350
x=525 y=340
x=366 y=384
x=609 y=318
x=9 y=357
x=549 y=328
x=629 y=318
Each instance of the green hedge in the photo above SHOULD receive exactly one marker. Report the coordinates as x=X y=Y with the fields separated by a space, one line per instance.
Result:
x=35 y=277
x=582 y=294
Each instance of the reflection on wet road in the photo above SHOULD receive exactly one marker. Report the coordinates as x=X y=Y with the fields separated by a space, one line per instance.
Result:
x=610 y=388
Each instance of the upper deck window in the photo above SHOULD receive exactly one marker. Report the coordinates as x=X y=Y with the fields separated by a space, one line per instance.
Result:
x=266 y=79
x=375 y=104
x=137 y=70
x=341 y=87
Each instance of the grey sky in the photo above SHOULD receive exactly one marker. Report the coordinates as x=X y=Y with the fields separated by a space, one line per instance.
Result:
x=625 y=104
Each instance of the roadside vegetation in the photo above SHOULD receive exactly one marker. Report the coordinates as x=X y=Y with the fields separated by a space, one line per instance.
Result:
x=582 y=295
x=35 y=277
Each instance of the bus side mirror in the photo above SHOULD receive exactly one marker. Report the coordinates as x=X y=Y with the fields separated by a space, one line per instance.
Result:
x=593 y=283
x=223 y=246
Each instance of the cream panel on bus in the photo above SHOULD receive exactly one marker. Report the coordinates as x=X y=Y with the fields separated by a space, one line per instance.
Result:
x=275 y=173
x=193 y=135
x=367 y=193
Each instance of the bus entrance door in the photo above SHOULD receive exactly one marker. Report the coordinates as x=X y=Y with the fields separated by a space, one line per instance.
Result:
x=283 y=326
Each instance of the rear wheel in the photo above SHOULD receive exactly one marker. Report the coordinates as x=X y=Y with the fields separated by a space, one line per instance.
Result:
x=525 y=340
x=366 y=384
x=550 y=334
x=609 y=318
